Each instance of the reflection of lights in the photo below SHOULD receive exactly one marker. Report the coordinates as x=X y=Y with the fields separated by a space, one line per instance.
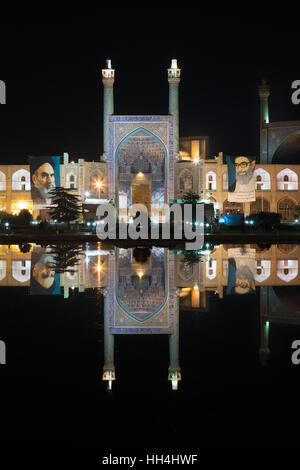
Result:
x=87 y=193
x=196 y=287
x=99 y=268
x=174 y=384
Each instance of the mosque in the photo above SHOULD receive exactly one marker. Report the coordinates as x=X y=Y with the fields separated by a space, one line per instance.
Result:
x=145 y=160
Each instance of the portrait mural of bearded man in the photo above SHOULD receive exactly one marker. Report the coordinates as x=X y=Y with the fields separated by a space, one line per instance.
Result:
x=241 y=179
x=241 y=270
x=44 y=176
x=43 y=280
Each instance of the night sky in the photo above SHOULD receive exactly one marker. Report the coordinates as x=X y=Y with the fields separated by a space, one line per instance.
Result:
x=52 y=72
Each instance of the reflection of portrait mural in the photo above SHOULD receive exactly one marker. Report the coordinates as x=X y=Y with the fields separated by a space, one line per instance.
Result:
x=241 y=265
x=44 y=175
x=43 y=280
x=241 y=179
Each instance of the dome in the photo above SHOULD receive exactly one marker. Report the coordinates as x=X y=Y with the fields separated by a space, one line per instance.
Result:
x=289 y=151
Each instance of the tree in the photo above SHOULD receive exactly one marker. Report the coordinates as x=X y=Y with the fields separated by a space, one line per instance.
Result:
x=141 y=254
x=65 y=207
x=24 y=218
x=297 y=209
x=190 y=197
x=6 y=217
x=25 y=247
x=65 y=257
x=265 y=220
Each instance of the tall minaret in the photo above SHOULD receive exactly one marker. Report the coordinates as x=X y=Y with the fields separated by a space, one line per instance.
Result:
x=108 y=78
x=264 y=93
x=174 y=80
x=174 y=373
x=109 y=346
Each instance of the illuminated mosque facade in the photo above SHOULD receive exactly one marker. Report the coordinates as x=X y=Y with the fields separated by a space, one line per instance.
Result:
x=145 y=161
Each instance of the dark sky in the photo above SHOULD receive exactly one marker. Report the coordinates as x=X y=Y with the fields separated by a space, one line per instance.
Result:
x=52 y=71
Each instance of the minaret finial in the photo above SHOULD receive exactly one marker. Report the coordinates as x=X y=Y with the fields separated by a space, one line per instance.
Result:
x=174 y=71
x=108 y=78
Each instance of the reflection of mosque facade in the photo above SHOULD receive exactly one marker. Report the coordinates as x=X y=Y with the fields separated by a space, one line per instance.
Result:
x=145 y=161
x=146 y=295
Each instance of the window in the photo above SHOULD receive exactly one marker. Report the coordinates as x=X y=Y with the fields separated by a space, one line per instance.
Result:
x=21 y=180
x=2 y=181
x=185 y=181
x=285 y=208
x=211 y=181
x=287 y=269
x=71 y=180
x=262 y=180
x=287 y=180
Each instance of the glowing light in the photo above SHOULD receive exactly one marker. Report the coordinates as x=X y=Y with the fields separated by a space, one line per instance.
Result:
x=196 y=160
x=174 y=64
x=196 y=287
x=140 y=274
x=99 y=184
x=140 y=174
x=21 y=204
x=99 y=268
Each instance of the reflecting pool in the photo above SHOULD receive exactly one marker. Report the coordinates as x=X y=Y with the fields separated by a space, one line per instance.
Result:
x=111 y=347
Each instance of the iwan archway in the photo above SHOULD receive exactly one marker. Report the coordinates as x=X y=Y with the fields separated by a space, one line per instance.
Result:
x=141 y=161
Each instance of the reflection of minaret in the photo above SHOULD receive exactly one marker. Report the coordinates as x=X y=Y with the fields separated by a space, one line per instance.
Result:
x=264 y=93
x=108 y=78
x=174 y=374
x=174 y=80
x=264 y=351
x=109 y=346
